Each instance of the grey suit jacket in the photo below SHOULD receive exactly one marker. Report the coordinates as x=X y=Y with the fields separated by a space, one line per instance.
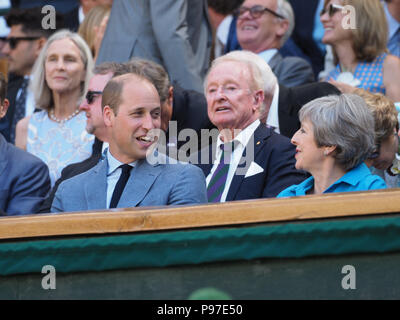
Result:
x=291 y=71
x=173 y=33
x=24 y=180
x=149 y=185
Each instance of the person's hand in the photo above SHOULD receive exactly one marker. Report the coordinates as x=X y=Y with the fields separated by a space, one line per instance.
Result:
x=343 y=87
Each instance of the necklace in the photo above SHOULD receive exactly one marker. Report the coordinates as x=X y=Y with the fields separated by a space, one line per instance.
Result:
x=54 y=118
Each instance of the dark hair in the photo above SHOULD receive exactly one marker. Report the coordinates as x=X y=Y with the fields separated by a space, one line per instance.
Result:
x=31 y=21
x=3 y=87
x=224 y=7
x=106 y=67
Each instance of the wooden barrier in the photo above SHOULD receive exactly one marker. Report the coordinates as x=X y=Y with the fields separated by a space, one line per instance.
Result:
x=293 y=248
x=209 y=215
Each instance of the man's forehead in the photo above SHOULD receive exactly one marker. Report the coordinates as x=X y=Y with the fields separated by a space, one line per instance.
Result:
x=271 y=4
x=16 y=30
x=231 y=69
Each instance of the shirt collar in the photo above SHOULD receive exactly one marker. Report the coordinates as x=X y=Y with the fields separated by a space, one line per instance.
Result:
x=393 y=24
x=113 y=163
x=273 y=118
x=244 y=136
x=268 y=54
x=352 y=177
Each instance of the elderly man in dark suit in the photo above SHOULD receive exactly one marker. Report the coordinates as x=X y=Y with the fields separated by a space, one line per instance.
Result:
x=263 y=26
x=24 y=179
x=248 y=160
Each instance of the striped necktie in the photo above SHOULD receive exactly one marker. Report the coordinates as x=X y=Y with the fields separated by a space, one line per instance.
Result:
x=218 y=180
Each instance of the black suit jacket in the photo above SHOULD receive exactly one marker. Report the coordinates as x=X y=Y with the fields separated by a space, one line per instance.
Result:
x=71 y=19
x=73 y=170
x=275 y=155
x=190 y=112
x=14 y=83
x=292 y=99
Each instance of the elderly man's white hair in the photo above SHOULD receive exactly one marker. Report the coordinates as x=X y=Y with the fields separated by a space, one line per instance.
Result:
x=285 y=9
x=268 y=77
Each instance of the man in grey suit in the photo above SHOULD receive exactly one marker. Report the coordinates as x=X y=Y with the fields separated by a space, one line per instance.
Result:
x=131 y=174
x=173 y=33
x=263 y=26
x=24 y=179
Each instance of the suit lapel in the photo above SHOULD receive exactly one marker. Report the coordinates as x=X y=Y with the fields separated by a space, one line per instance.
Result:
x=96 y=187
x=275 y=60
x=140 y=181
x=260 y=138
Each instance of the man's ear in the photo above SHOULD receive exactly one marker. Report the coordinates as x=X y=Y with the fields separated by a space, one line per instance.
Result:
x=40 y=43
x=108 y=116
x=4 y=108
x=258 y=99
x=283 y=26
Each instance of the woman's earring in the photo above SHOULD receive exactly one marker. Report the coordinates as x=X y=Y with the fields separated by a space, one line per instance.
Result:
x=326 y=152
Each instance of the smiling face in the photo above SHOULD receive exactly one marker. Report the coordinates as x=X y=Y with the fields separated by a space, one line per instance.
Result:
x=94 y=114
x=308 y=155
x=334 y=31
x=232 y=102
x=65 y=70
x=138 y=113
x=259 y=34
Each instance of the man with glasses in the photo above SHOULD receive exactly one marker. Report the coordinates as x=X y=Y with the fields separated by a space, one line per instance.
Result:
x=22 y=47
x=263 y=26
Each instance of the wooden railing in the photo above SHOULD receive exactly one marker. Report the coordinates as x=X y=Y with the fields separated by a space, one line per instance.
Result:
x=208 y=215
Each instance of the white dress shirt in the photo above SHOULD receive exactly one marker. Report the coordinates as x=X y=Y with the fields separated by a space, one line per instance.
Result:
x=243 y=138
x=273 y=117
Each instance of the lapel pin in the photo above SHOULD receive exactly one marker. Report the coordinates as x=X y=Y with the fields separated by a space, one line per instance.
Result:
x=258 y=142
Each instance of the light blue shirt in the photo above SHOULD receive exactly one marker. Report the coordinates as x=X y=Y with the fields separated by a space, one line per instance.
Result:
x=359 y=178
x=318 y=32
x=393 y=38
x=113 y=174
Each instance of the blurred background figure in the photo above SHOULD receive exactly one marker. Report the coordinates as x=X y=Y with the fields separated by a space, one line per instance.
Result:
x=334 y=140
x=75 y=17
x=392 y=12
x=386 y=137
x=93 y=27
x=173 y=33
x=21 y=48
x=361 y=53
x=57 y=134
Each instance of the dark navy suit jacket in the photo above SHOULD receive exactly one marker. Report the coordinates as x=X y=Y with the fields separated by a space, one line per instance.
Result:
x=275 y=154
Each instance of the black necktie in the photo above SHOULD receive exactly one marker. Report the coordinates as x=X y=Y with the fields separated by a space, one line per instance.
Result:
x=19 y=111
x=119 y=187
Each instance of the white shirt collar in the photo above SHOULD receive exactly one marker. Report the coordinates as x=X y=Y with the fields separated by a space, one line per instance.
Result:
x=273 y=117
x=113 y=163
x=81 y=16
x=268 y=54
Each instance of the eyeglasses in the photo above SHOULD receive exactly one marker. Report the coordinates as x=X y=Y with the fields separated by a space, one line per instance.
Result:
x=90 y=95
x=13 y=41
x=332 y=9
x=256 y=12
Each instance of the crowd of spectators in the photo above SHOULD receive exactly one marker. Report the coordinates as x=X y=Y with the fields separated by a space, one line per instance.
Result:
x=175 y=102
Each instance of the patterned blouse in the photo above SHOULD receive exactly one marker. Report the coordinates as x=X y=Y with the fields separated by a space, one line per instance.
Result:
x=58 y=144
x=370 y=74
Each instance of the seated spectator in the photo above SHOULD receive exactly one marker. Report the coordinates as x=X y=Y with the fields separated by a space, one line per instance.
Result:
x=386 y=137
x=24 y=179
x=332 y=144
x=131 y=112
x=60 y=76
x=248 y=160
x=263 y=26
x=93 y=26
x=360 y=52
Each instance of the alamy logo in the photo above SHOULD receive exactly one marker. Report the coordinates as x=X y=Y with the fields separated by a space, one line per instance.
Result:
x=49 y=280
x=49 y=20
x=349 y=20
x=349 y=280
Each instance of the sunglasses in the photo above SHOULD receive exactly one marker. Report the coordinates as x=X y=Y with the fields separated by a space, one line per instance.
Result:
x=256 y=12
x=90 y=95
x=13 y=41
x=331 y=9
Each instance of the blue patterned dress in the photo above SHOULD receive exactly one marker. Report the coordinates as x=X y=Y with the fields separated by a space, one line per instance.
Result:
x=369 y=73
x=58 y=144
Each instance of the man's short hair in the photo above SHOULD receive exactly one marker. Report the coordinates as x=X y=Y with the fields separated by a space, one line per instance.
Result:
x=153 y=72
x=3 y=87
x=109 y=67
x=112 y=93
x=285 y=9
x=31 y=21
x=225 y=7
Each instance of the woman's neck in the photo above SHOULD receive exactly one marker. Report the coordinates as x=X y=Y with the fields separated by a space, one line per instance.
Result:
x=65 y=103
x=324 y=178
x=346 y=56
